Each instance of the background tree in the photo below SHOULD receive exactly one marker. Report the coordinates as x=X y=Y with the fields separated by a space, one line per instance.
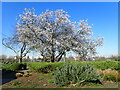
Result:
x=3 y=58
x=18 y=47
x=53 y=34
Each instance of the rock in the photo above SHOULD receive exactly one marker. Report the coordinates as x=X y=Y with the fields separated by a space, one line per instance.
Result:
x=19 y=75
x=44 y=84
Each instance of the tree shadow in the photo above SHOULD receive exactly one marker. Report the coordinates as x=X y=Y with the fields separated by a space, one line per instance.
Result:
x=8 y=76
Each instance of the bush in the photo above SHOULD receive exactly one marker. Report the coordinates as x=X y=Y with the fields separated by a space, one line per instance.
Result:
x=71 y=74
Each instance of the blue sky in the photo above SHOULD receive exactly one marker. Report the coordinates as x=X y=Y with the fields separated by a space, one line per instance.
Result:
x=104 y=16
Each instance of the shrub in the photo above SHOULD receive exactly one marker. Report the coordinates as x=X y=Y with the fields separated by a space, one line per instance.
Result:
x=71 y=73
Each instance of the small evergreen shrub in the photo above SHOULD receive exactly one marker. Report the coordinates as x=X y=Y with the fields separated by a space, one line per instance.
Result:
x=71 y=74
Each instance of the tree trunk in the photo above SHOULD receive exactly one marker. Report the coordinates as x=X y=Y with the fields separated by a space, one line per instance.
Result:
x=65 y=57
x=20 y=60
x=60 y=56
x=53 y=57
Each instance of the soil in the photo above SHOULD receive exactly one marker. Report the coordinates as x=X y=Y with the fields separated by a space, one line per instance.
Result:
x=40 y=80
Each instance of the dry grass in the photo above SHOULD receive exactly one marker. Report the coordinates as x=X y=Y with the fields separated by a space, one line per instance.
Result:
x=109 y=74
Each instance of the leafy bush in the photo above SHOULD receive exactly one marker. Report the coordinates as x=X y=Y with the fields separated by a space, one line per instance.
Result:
x=71 y=73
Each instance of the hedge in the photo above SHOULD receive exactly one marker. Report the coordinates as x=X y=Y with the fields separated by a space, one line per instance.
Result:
x=47 y=67
x=12 y=67
x=114 y=65
x=44 y=66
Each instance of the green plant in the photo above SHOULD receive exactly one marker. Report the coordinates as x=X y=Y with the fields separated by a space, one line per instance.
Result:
x=70 y=74
x=16 y=83
x=51 y=81
x=40 y=78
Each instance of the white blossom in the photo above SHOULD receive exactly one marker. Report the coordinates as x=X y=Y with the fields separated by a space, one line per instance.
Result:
x=53 y=31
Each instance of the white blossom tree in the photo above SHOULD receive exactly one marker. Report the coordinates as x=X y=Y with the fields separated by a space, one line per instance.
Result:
x=53 y=34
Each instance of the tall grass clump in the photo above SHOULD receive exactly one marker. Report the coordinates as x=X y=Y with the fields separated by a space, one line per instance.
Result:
x=109 y=74
x=75 y=74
